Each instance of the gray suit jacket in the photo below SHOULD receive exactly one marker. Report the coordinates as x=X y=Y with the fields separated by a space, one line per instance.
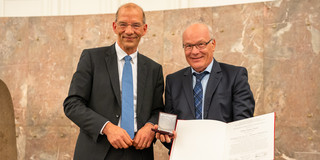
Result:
x=94 y=98
x=228 y=96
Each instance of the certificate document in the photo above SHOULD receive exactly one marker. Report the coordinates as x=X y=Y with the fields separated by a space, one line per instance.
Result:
x=247 y=139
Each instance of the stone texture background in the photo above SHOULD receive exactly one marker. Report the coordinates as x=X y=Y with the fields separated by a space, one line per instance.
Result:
x=278 y=42
x=8 y=149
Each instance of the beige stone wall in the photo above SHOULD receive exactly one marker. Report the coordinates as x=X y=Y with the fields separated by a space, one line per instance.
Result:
x=278 y=42
x=8 y=147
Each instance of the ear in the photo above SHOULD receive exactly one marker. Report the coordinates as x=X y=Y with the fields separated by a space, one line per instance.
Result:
x=214 y=43
x=114 y=27
x=145 y=28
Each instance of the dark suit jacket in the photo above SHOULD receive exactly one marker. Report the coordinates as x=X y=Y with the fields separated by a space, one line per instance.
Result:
x=94 y=98
x=228 y=96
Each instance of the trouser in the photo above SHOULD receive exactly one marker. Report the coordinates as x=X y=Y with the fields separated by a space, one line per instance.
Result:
x=130 y=154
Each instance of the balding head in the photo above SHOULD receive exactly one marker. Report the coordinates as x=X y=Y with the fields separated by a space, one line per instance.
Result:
x=131 y=6
x=198 y=46
x=196 y=29
x=130 y=27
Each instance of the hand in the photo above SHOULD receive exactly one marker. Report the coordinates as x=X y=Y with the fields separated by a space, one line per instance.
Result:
x=165 y=138
x=144 y=137
x=118 y=137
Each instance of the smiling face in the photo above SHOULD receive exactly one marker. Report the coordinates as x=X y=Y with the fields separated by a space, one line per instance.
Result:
x=198 y=59
x=129 y=27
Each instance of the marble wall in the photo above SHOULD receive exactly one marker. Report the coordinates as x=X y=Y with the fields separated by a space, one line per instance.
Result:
x=278 y=42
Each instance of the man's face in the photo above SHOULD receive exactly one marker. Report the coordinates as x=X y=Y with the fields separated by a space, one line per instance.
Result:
x=198 y=58
x=129 y=28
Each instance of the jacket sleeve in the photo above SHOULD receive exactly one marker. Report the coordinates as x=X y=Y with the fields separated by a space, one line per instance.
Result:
x=243 y=101
x=76 y=104
x=157 y=103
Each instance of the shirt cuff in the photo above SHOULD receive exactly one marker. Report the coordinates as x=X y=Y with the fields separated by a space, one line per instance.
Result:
x=101 y=131
x=150 y=123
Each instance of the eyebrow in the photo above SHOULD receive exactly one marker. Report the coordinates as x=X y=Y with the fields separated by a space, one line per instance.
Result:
x=200 y=41
x=131 y=23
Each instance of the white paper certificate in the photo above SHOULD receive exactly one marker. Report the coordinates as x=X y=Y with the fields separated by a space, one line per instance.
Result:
x=248 y=139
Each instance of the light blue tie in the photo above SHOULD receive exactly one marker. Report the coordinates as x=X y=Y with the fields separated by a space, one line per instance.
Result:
x=127 y=115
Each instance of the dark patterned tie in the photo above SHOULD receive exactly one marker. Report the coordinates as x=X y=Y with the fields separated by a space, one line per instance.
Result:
x=127 y=115
x=198 y=94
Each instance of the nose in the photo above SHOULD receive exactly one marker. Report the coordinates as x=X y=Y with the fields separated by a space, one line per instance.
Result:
x=129 y=30
x=194 y=50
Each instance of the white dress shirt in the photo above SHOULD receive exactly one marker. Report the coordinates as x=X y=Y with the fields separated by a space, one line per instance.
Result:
x=134 y=61
x=121 y=54
x=204 y=82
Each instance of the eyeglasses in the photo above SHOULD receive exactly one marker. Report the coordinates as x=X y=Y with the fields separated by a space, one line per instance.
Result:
x=201 y=45
x=124 y=25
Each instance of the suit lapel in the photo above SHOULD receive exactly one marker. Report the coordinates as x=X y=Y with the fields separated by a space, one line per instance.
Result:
x=213 y=82
x=141 y=81
x=112 y=67
x=188 y=90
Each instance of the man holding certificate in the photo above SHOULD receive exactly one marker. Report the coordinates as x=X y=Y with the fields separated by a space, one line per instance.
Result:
x=207 y=89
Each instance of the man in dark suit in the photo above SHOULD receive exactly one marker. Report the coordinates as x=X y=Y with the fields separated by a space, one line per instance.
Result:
x=207 y=89
x=97 y=101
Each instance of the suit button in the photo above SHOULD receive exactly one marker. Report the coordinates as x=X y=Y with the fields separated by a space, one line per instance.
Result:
x=117 y=115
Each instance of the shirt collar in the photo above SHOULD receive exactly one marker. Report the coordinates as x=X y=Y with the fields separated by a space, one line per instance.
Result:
x=121 y=54
x=208 y=69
